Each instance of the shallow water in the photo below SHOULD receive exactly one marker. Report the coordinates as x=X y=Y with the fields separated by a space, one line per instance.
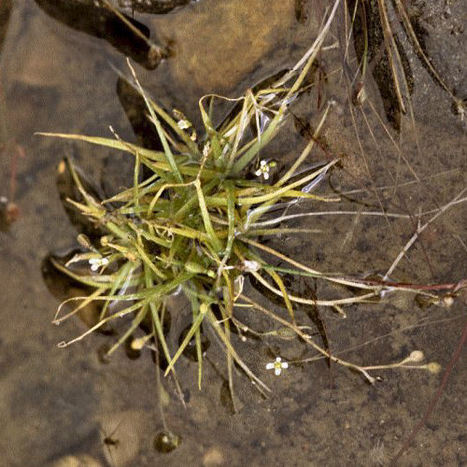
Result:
x=65 y=402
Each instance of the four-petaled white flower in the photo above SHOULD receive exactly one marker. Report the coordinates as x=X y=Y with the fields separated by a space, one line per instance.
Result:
x=251 y=266
x=206 y=149
x=277 y=366
x=264 y=168
x=96 y=263
x=183 y=124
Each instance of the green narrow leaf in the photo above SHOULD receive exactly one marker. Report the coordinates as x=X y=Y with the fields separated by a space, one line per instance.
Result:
x=160 y=131
x=134 y=324
x=195 y=325
x=277 y=279
x=206 y=219
x=192 y=146
x=119 y=280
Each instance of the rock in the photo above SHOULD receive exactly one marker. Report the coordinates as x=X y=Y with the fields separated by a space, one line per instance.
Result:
x=213 y=457
x=82 y=460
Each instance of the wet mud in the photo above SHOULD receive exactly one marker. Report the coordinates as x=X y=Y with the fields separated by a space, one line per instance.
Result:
x=66 y=407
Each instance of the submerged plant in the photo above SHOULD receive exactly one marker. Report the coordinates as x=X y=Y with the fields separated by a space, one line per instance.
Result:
x=194 y=224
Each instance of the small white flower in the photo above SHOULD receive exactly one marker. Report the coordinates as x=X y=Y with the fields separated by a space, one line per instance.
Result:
x=206 y=149
x=264 y=168
x=96 y=263
x=277 y=366
x=251 y=266
x=183 y=124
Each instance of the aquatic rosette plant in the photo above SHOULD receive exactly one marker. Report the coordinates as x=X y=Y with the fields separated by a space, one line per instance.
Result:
x=194 y=225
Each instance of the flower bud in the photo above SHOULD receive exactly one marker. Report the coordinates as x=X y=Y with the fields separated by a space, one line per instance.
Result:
x=433 y=367
x=416 y=356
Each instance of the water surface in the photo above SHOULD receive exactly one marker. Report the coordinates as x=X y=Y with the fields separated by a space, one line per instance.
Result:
x=65 y=402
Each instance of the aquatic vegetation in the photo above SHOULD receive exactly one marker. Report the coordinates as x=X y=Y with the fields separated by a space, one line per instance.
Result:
x=377 y=43
x=194 y=223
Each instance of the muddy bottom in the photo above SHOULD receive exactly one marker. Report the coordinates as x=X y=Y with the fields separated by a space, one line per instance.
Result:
x=65 y=407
